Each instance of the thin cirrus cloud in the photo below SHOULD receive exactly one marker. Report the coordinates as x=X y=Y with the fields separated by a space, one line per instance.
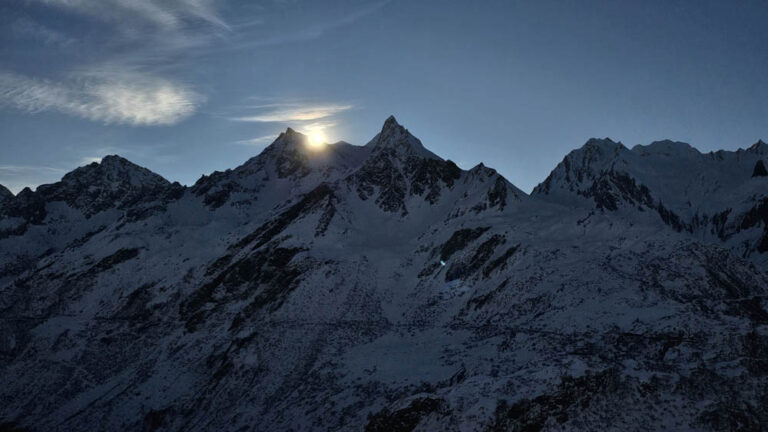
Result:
x=123 y=87
x=310 y=31
x=283 y=113
x=131 y=100
x=258 y=141
x=89 y=160
x=30 y=29
x=168 y=14
x=307 y=117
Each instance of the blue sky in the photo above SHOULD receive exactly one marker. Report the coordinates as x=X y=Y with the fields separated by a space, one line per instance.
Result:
x=185 y=87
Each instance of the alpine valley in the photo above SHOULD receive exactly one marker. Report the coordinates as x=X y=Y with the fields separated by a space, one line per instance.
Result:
x=382 y=288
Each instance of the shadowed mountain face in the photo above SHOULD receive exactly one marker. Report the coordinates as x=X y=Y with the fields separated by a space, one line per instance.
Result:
x=380 y=287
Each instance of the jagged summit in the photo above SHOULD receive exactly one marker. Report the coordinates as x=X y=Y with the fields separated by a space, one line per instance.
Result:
x=759 y=147
x=602 y=144
x=719 y=193
x=581 y=165
x=394 y=137
x=113 y=182
x=290 y=139
x=391 y=124
x=292 y=153
x=113 y=170
x=392 y=168
x=482 y=170
x=297 y=143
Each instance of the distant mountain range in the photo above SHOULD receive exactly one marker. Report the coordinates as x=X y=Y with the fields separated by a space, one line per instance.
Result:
x=383 y=288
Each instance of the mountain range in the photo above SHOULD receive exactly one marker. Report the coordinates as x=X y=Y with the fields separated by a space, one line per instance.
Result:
x=383 y=288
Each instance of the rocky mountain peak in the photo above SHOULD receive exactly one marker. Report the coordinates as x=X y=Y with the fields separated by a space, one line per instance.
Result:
x=760 y=147
x=581 y=165
x=113 y=182
x=288 y=140
x=112 y=172
x=293 y=153
x=598 y=148
x=394 y=138
x=391 y=123
x=401 y=174
x=480 y=170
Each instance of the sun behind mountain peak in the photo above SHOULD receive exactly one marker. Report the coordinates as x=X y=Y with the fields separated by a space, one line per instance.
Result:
x=315 y=140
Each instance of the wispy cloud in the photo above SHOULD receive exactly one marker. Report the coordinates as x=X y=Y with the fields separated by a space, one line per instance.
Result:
x=127 y=99
x=169 y=14
x=140 y=47
x=292 y=112
x=26 y=28
x=308 y=32
x=258 y=141
x=17 y=169
x=89 y=160
x=124 y=81
x=318 y=127
x=307 y=117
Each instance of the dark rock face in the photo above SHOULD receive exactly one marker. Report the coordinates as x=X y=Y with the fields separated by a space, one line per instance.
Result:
x=614 y=187
x=571 y=396
x=215 y=189
x=759 y=170
x=459 y=240
x=320 y=198
x=500 y=262
x=497 y=197
x=5 y=194
x=463 y=268
x=383 y=176
x=262 y=278
x=670 y=218
x=391 y=179
x=431 y=176
x=399 y=167
x=754 y=217
x=116 y=258
x=403 y=420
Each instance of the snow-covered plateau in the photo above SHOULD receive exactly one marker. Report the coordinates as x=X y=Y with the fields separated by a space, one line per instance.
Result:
x=382 y=288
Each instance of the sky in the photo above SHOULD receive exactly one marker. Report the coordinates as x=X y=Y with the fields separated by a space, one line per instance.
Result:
x=186 y=87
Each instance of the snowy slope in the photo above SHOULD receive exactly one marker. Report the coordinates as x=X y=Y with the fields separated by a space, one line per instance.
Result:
x=380 y=287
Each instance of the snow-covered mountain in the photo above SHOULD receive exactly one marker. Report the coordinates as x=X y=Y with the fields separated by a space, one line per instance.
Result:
x=380 y=287
x=715 y=196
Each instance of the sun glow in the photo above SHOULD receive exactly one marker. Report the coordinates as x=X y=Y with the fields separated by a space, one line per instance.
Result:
x=316 y=139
